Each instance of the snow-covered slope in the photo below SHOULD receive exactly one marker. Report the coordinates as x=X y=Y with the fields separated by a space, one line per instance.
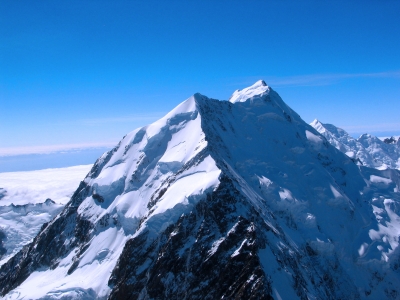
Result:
x=30 y=199
x=367 y=150
x=236 y=199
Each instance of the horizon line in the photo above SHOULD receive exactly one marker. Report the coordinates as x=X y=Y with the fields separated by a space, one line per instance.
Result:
x=49 y=149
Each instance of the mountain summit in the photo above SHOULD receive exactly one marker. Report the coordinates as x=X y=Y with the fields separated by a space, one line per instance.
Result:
x=237 y=199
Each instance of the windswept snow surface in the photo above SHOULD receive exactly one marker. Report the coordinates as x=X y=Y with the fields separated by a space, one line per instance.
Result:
x=220 y=199
x=367 y=150
x=30 y=199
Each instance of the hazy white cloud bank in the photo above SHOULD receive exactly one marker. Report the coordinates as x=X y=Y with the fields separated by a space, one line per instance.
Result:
x=36 y=186
x=47 y=149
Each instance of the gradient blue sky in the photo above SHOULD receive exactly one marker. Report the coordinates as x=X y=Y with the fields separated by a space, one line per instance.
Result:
x=84 y=73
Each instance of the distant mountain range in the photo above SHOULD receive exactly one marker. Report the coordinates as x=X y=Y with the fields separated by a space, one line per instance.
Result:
x=367 y=150
x=237 y=199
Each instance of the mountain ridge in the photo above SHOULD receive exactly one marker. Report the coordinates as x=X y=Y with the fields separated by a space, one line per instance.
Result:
x=367 y=150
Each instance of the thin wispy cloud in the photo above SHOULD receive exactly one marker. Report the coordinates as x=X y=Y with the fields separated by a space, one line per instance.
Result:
x=136 y=119
x=322 y=79
x=47 y=149
x=124 y=119
x=375 y=128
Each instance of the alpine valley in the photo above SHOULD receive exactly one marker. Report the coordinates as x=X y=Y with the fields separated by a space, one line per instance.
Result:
x=237 y=199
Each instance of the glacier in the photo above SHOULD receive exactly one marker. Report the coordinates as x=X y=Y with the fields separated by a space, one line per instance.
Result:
x=237 y=199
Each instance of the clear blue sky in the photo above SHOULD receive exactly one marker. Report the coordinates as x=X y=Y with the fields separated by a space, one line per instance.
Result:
x=87 y=72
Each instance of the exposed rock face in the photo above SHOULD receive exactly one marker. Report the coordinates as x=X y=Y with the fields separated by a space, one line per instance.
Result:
x=210 y=253
x=390 y=140
x=220 y=200
x=3 y=192
x=2 y=249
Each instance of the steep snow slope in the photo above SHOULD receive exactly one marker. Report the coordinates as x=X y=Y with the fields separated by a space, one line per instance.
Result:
x=30 y=199
x=220 y=199
x=154 y=173
x=367 y=150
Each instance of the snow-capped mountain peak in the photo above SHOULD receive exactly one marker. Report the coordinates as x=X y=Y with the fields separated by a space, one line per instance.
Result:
x=332 y=129
x=258 y=89
x=236 y=199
